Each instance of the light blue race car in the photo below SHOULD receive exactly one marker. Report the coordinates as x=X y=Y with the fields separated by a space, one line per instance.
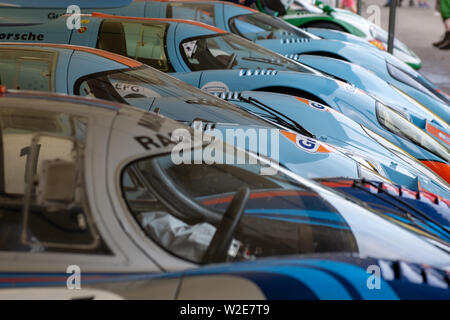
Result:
x=97 y=73
x=274 y=34
x=281 y=37
x=121 y=35
x=149 y=89
x=341 y=132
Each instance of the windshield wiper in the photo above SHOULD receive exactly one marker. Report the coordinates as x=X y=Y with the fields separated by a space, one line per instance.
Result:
x=278 y=116
x=265 y=60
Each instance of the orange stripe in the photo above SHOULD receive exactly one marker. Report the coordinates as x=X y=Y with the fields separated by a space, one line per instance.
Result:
x=435 y=132
x=324 y=149
x=302 y=100
x=195 y=23
x=291 y=136
x=440 y=168
x=109 y=55
x=337 y=184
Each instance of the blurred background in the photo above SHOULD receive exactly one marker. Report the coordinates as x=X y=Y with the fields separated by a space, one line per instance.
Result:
x=418 y=28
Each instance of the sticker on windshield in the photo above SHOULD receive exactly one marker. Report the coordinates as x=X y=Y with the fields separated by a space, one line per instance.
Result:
x=215 y=86
x=129 y=90
x=305 y=143
x=189 y=48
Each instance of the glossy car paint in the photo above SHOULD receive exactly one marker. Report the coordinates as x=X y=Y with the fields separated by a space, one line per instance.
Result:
x=131 y=271
x=314 y=160
x=321 y=88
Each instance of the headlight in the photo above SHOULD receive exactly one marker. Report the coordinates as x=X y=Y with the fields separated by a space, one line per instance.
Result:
x=393 y=121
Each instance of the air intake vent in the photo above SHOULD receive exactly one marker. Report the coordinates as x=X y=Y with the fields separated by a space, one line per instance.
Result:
x=257 y=72
x=294 y=40
x=292 y=56
x=232 y=95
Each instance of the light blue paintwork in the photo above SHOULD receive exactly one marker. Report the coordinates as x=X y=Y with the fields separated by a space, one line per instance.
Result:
x=340 y=96
x=340 y=131
x=336 y=44
x=301 y=42
x=337 y=35
x=379 y=88
x=336 y=94
x=299 y=159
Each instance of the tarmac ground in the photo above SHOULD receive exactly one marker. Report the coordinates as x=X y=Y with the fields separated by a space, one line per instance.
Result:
x=418 y=28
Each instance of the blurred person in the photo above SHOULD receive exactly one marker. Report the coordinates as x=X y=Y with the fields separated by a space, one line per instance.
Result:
x=423 y=4
x=444 y=43
x=388 y=3
x=348 y=5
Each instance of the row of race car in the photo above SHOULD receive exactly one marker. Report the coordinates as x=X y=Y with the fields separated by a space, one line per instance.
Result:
x=360 y=180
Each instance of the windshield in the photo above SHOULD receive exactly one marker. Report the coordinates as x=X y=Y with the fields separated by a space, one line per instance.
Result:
x=228 y=51
x=396 y=123
x=258 y=26
x=184 y=208
x=149 y=89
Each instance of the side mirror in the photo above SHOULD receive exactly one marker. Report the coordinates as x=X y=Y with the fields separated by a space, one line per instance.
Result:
x=327 y=9
x=57 y=184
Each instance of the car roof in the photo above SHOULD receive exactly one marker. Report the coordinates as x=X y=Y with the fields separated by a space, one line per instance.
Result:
x=102 y=53
x=195 y=23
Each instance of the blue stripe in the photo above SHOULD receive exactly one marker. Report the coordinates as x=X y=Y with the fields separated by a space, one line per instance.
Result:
x=320 y=283
x=358 y=279
x=335 y=226
x=356 y=276
x=326 y=215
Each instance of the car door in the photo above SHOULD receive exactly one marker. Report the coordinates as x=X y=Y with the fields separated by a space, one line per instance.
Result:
x=50 y=227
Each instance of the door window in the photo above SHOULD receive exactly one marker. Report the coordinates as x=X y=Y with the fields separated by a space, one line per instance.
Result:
x=42 y=198
x=27 y=69
x=142 y=42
